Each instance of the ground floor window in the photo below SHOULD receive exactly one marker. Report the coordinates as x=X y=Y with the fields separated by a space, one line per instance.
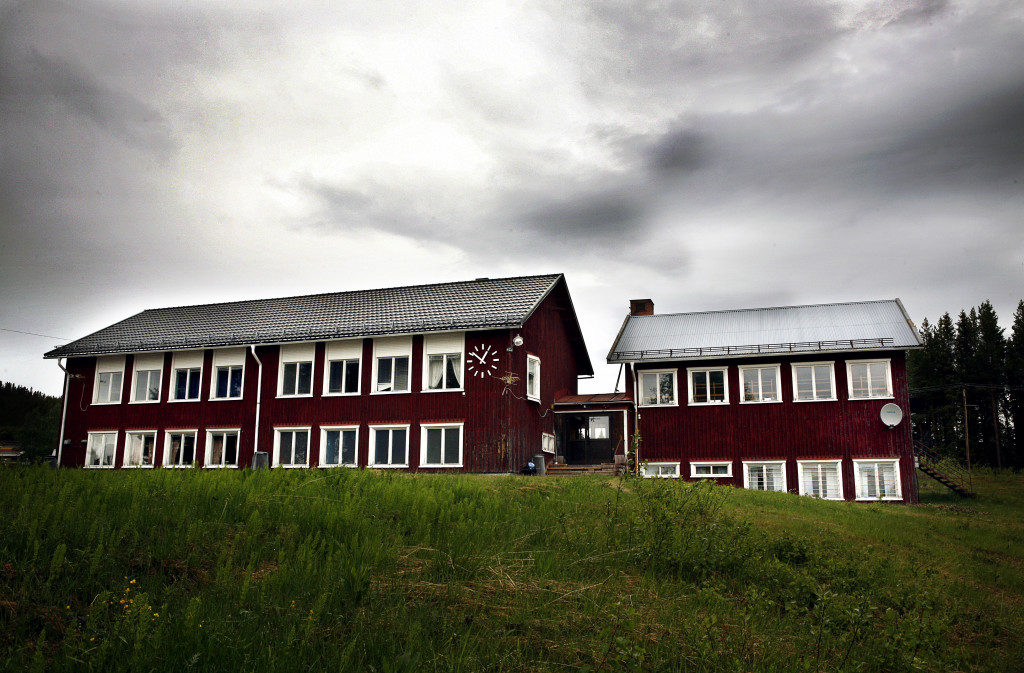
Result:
x=180 y=449
x=389 y=446
x=663 y=470
x=100 y=449
x=769 y=475
x=222 y=448
x=547 y=442
x=291 y=447
x=139 y=449
x=441 y=445
x=877 y=479
x=820 y=479
x=338 y=446
x=709 y=468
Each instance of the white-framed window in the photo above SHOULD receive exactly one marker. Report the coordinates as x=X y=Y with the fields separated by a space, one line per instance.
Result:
x=443 y=361
x=658 y=388
x=228 y=374
x=391 y=358
x=139 y=449
x=711 y=468
x=547 y=443
x=389 y=446
x=760 y=383
x=877 y=479
x=149 y=369
x=338 y=445
x=533 y=378
x=179 y=448
x=764 y=475
x=187 y=373
x=441 y=445
x=813 y=382
x=291 y=447
x=221 y=448
x=343 y=360
x=661 y=470
x=295 y=371
x=100 y=449
x=820 y=478
x=708 y=385
x=109 y=380
x=869 y=379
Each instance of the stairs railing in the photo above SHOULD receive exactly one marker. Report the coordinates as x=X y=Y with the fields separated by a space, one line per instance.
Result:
x=944 y=470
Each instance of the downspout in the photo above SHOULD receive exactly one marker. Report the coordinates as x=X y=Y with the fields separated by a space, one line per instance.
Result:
x=636 y=416
x=259 y=400
x=63 y=413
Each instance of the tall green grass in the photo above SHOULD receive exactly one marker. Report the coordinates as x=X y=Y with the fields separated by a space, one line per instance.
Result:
x=353 y=570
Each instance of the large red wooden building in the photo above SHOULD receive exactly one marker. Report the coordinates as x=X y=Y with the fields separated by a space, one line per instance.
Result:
x=480 y=376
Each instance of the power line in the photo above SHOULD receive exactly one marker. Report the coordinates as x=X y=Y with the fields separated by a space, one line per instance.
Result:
x=48 y=336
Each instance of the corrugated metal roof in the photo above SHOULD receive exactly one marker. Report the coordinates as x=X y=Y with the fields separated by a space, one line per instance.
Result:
x=478 y=304
x=742 y=333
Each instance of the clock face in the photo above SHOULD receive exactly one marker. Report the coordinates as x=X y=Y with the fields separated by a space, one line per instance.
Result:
x=482 y=361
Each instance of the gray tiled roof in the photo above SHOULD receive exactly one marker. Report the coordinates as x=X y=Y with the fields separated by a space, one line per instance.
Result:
x=471 y=305
x=788 y=329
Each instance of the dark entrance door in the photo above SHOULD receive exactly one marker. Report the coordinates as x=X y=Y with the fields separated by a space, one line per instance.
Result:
x=589 y=438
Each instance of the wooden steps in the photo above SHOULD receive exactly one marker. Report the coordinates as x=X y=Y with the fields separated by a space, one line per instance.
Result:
x=946 y=472
x=563 y=470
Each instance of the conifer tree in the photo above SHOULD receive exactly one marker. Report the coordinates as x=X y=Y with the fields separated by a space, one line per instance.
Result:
x=1015 y=387
x=989 y=375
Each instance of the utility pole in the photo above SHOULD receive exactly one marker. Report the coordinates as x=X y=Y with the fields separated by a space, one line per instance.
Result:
x=995 y=427
x=967 y=434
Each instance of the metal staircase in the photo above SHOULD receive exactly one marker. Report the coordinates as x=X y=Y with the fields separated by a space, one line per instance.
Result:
x=946 y=471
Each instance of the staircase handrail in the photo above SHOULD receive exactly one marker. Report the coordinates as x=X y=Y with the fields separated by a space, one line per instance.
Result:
x=950 y=467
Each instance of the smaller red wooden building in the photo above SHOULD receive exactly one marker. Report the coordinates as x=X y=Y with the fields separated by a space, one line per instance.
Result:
x=784 y=399
x=452 y=376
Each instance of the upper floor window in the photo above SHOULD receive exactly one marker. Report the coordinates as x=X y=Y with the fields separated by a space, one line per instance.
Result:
x=441 y=445
x=658 y=388
x=188 y=372
x=760 y=383
x=295 y=375
x=869 y=379
x=709 y=386
x=442 y=358
x=533 y=378
x=228 y=371
x=820 y=478
x=180 y=448
x=100 y=449
x=343 y=359
x=391 y=364
x=338 y=446
x=140 y=449
x=291 y=447
x=109 y=378
x=877 y=479
x=222 y=448
x=149 y=369
x=813 y=381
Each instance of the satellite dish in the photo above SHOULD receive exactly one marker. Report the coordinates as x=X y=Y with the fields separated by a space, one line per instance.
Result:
x=891 y=414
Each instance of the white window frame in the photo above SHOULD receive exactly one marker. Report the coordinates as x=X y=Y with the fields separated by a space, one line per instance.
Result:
x=690 y=371
x=94 y=437
x=148 y=364
x=803 y=465
x=227 y=358
x=168 y=462
x=109 y=365
x=858 y=466
x=391 y=348
x=656 y=470
x=694 y=464
x=129 y=439
x=324 y=429
x=371 y=458
x=547 y=443
x=186 y=361
x=814 y=383
x=748 y=464
x=237 y=432
x=298 y=355
x=888 y=379
x=424 y=427
x=760 y=385
x=675 y=387
x=533 y=391
x=293 y=430
x=444 y=345
x=344 y=352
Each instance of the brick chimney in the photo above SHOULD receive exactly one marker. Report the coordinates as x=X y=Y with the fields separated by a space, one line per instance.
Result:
x=641 y=307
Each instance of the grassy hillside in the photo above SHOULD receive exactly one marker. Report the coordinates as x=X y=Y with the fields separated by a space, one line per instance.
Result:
x=351 y=570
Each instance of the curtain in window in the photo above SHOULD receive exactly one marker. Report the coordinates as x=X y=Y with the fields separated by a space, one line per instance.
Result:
x=436 y=373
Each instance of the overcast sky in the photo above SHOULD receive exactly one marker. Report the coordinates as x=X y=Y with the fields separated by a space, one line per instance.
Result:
x=708 y=155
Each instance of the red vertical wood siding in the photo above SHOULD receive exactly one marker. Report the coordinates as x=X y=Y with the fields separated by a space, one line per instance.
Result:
x=846 y=429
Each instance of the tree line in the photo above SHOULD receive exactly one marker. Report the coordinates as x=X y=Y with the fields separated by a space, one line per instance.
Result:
x=30 y=418
x=967 y=387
